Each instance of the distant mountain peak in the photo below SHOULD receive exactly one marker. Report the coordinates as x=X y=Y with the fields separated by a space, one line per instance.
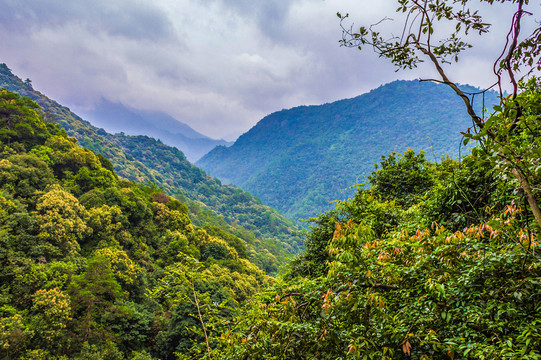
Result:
x=116 y=117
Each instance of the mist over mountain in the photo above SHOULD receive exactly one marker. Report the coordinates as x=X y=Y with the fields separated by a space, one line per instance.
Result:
x=119 y=118
x=301 y=159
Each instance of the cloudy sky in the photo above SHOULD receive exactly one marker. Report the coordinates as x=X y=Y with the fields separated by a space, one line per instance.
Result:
x=217 y=65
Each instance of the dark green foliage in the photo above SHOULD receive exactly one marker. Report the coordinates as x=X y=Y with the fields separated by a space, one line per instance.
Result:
x=312 y=262
x=300 y=160
x=403 y=178
x=231 y=240
x=25 y=175
x=19 y=120
x=382 y=280
x=93 y=295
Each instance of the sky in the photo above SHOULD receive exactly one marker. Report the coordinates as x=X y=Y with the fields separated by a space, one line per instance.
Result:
x=216 y=65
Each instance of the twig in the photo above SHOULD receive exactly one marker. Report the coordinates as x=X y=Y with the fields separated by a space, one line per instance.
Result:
x=201 y=320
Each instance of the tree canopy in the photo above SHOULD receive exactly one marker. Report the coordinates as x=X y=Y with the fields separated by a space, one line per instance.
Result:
x=96 y=267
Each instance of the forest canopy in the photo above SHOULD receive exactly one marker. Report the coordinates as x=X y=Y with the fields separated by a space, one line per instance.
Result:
x=96 y=267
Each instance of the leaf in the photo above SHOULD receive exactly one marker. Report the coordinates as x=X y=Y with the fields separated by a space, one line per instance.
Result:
x=406 y=348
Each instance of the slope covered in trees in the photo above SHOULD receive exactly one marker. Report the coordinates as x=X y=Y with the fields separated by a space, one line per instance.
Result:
x=270 y=237
x=433 y=260
x=96 y=267
x=441 y=264
x=301 y=159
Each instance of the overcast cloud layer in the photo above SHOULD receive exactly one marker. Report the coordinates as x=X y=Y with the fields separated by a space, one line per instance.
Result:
x=217 y=65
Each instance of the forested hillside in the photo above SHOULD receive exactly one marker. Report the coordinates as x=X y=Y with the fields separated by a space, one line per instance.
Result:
x=433 y=260
x=301 y=159
x=122 y=250
x=269 y=236
x=444 y=271
x=96 y=267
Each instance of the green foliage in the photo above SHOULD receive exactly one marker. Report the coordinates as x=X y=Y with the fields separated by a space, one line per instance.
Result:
x=433 y=261
x=233 y=204
x=19 y=121
x=511 y=142
x=402 y=178
x=269 y=237
x=383 y=280
x=94 y=267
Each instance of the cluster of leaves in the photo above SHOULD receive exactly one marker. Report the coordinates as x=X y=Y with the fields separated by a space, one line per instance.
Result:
x=96 y=267
x=439 y=264
x=270 y=237
x=300 y=160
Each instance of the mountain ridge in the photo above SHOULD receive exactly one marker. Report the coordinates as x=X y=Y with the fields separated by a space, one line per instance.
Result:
x=299 y=160
x=269 y=236
x=115 y=117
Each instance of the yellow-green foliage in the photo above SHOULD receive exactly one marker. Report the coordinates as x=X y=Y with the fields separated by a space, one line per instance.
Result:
x=62 y=222
x=122 y=266
x=106 y=223
x=53 y=311
x=96 y=267
x=214 y=247
x=12 y=333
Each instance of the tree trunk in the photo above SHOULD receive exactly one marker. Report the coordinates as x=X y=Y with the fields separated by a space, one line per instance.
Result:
x=525 y=185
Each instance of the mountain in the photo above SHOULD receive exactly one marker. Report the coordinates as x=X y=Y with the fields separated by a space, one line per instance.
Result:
x=117 y=117
x=93 y=266
x=301 y=159
x=270 y=238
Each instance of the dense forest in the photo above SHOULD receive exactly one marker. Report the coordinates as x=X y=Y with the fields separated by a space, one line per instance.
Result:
x=97 y=267
x=301 y=159
x=270 y=238
x=114 y=247
x=434 y=260
x=431 y=261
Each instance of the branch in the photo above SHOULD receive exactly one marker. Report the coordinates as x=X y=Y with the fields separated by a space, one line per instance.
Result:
x=201 y=320
x=434 y=80
x=516 y=27
x=525 y=185
x=476 y=119
x=385 y=287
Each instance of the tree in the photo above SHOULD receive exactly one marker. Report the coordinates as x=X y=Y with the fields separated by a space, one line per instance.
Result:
x=521 y=56
x=19 y=120
x=62 y=224
x=404 y=178
x=93 y=294
x=51 y=312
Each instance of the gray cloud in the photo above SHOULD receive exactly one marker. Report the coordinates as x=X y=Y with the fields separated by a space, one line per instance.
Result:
x=218 y=65
x=129 y=19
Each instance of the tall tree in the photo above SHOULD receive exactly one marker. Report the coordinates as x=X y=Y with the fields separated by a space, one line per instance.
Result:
x=520 y=57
